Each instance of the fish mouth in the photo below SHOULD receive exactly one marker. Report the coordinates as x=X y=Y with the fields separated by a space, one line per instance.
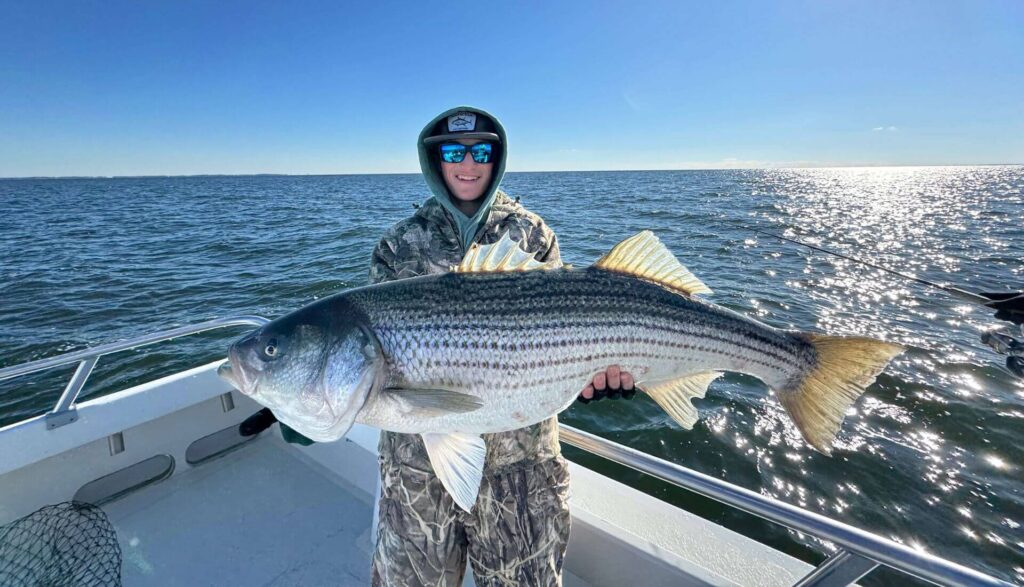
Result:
x=235 y=377
x=225 y=372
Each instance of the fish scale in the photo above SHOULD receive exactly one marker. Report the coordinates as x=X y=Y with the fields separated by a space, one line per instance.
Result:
x=459 y=332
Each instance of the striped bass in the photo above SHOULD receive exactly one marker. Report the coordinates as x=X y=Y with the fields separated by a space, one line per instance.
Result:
x=504 y=341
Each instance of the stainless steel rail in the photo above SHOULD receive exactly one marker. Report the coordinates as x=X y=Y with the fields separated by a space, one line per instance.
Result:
x=64 y=412
x=859 y=553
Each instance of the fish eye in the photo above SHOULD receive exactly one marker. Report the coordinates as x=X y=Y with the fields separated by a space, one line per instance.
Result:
x=271 y=349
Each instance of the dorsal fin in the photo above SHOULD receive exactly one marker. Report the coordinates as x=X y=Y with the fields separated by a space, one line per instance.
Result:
x=643 y=255
x=504 y=255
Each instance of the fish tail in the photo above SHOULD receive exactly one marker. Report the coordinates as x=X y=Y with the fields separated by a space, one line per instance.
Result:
x=818 y=399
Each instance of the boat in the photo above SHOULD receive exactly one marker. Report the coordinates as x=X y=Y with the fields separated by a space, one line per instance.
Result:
x=190 y=501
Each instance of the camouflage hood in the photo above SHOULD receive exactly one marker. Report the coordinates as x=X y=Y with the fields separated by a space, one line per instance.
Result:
x=430 y=166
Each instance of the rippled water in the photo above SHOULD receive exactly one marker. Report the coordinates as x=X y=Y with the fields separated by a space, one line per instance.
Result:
x=931 y=457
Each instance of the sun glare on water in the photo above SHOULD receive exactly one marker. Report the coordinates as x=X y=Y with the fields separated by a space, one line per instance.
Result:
x=921 y=418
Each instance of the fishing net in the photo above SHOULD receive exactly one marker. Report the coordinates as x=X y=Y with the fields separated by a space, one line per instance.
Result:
x=71 y=543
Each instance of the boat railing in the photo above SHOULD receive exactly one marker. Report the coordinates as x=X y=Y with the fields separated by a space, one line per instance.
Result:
x=64 y=411
x=859 y=552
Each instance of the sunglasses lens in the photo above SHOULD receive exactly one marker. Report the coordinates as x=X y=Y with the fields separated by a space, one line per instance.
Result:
x=482 y=152
x=453 y=153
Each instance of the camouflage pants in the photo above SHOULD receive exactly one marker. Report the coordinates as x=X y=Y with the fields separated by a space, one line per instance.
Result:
x=516 y=534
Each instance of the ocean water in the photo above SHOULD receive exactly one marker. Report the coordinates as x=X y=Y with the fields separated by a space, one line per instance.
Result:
x=931 y=456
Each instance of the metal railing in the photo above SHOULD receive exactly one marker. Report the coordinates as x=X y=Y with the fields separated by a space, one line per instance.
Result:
x=860 y=551
x=64 y=411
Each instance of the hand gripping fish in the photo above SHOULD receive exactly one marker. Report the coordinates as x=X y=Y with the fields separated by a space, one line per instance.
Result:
x=504 y=341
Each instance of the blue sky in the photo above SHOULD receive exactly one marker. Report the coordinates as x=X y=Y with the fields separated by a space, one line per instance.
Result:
x=157 y=87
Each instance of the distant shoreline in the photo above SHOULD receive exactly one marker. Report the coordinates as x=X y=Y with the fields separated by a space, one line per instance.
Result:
x=210 y=175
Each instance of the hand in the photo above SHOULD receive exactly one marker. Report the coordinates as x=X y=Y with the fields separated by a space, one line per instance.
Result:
x=257 y=422
x=613 y=383
x=262 y=420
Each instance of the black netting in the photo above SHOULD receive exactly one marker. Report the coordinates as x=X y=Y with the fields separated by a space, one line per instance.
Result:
x=71 y=543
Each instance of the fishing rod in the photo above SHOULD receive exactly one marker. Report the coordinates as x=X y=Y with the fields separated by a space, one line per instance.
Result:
x=1009 y=306
x=956 y=291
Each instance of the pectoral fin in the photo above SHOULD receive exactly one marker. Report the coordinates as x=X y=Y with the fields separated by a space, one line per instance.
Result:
x=674 y=395
x=432 y=402
x=458 y=461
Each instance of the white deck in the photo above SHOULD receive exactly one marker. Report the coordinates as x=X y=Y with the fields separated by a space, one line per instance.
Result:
x=264 y=515
x=258 y=516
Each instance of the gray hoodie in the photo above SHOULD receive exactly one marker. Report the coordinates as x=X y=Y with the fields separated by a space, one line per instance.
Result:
x=468 y=226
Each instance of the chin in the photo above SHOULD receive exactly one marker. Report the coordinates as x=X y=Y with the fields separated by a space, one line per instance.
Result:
x=467 y=197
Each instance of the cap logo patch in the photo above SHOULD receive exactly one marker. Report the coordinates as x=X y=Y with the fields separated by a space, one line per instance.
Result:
x=462 y=122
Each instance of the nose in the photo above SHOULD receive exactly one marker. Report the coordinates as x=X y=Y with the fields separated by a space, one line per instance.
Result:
x=468 y=163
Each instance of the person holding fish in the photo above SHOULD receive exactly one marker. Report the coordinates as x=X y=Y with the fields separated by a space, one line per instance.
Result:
x=463 y=153
x=472 y=337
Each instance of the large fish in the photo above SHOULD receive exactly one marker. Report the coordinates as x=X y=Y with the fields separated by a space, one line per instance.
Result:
x=503 y=341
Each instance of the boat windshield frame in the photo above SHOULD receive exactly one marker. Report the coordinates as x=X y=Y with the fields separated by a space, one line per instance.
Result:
x=63 y=411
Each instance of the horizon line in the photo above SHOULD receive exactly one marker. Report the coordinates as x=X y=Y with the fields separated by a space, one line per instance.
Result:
x=188 y=175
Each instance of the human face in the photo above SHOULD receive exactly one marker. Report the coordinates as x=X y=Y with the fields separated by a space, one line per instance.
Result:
x=467 y=180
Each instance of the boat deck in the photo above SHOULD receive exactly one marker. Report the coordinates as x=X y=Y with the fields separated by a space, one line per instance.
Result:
x=263 y=515
x=259 y=516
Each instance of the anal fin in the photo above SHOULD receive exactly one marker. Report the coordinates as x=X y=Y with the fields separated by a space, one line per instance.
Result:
x=674 y=395
x=458 y=461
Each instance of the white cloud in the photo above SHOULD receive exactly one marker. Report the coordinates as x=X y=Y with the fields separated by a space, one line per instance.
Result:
x=885 y=129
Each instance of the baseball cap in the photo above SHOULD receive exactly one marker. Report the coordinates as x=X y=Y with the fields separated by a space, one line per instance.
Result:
x=463 y=125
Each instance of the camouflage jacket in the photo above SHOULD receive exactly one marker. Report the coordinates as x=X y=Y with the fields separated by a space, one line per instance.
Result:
x=428 y=243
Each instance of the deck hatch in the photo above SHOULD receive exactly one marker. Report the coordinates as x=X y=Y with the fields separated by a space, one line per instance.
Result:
x=214 y=445
x=126 y=480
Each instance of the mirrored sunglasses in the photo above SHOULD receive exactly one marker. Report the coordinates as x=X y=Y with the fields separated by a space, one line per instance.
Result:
x=455 y=152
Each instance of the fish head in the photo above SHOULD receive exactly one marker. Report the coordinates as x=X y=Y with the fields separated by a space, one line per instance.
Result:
x=312 y=369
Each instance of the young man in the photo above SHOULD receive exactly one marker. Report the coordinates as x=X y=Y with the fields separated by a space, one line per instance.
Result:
x=519 y=528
